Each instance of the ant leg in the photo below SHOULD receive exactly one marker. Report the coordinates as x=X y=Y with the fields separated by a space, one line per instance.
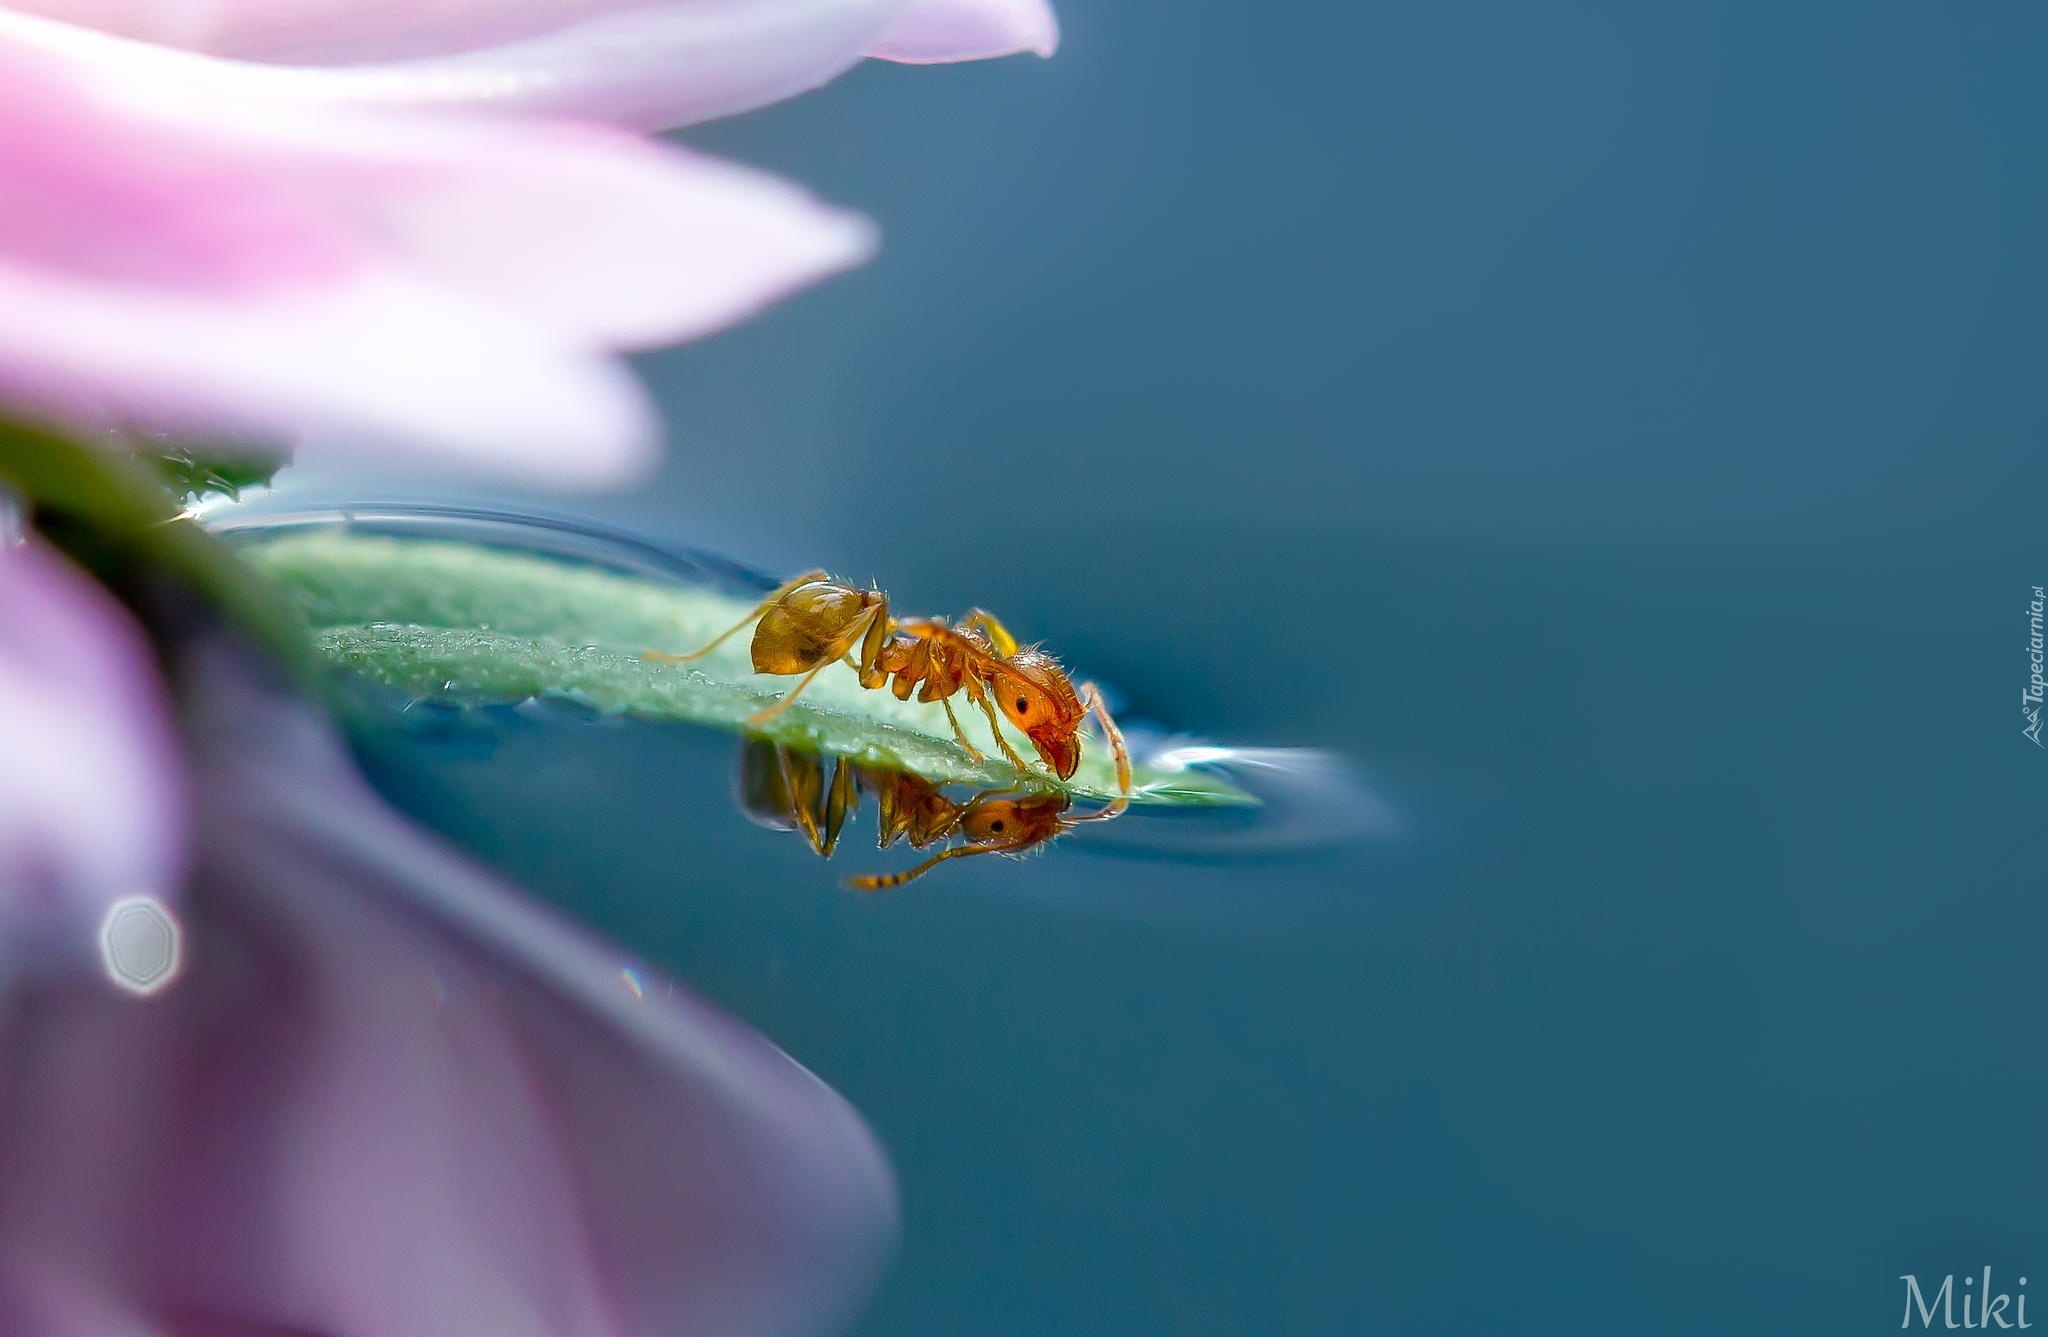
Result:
x=883 y=881
x=839 y=801
x=998 y=635
x=763 y=716
x=801 y=783
x=658 y=657
x=876 y=640
x=995 y=725
x=1091 y=698
x=959 y=734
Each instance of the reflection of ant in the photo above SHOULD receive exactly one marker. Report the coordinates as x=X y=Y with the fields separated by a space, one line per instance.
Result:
x=787 y=789
x=814 y=622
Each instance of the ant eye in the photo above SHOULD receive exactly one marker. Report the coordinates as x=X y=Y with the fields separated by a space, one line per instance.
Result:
x=996 y=826
x=1023 y=706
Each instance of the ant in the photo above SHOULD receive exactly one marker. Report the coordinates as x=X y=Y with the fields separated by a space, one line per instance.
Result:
x=813 y=622
x=786 y=789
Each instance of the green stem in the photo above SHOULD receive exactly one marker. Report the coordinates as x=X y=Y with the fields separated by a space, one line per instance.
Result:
x=110 y=512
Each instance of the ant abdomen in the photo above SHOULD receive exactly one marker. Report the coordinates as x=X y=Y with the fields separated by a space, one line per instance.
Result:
x=813 y=624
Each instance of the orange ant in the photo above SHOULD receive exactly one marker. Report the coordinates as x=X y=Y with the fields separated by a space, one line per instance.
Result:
x=784 y=788
x=813 y=622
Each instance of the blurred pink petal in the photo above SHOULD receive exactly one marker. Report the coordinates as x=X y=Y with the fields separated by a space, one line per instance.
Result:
x=388 y=1097
x=343 y=32
x=647 y=64
x=210 y=252
x=940 y=30
x=90 y=791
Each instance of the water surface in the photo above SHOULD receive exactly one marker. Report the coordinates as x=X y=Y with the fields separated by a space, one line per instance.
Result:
x=1618 y=429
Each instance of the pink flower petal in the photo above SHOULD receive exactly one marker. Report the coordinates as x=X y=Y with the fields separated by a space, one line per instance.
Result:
x=648 y=64
x=205 y=246
x=90 y=792
x=38 y=1299
x=388 y=1097
x=646 y=67
x=340 y=32
x=930 y=31
x=384 y=365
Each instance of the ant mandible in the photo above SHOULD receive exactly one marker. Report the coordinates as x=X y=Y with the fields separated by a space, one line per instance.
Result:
x=813 y=622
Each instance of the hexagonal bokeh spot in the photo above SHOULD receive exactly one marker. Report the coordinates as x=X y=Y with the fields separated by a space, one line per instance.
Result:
x=139 y=944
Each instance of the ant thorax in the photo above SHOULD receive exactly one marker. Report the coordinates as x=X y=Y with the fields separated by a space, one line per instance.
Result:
x=927 y=652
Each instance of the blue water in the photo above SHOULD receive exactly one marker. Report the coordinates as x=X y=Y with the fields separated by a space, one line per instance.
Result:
x=1618 y=429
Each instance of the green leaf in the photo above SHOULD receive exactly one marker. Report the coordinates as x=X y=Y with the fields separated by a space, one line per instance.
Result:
x=112 y=515
x=470 y=623
x=195 y=472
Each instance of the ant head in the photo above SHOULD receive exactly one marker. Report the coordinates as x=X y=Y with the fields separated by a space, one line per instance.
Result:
x=1036 y=696
x=1017 y=823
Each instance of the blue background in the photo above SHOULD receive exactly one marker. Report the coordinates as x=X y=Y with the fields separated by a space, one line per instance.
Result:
x=1619 y=428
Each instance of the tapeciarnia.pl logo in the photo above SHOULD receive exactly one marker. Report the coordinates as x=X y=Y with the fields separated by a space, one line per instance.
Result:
x=2030 y=700
x=1980 y=1305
